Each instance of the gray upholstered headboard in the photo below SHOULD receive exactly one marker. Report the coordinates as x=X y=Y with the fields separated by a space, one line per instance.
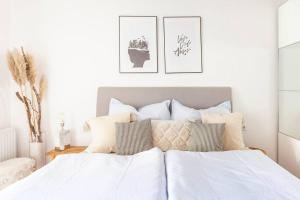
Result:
x=196 y=97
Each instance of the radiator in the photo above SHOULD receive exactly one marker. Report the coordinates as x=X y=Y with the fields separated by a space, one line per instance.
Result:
x=8 y=146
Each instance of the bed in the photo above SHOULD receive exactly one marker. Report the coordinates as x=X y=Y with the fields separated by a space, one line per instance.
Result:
x=157 y=175
x=228 y=175
x=95 y=177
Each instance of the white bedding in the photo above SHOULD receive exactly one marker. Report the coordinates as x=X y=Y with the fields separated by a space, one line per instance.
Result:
x=95 y=176
x=231 y=175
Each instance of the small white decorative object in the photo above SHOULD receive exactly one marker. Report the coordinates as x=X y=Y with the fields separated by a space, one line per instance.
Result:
x=63 y=139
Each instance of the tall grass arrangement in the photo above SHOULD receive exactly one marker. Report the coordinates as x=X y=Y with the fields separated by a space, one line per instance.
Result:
x=30 y=92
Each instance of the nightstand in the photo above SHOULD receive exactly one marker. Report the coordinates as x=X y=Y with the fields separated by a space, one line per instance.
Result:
x=73 y=149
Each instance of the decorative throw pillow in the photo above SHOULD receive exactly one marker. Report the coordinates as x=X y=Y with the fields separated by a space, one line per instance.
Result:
x=233 y=137
x=103 y=132
x=169 y=134
x=206 y=137
x=133 y=137
x=181 y=112
x=159 y=111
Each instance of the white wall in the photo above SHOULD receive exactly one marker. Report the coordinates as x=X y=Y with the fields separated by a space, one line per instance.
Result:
x=4 y=74
x=80 y=53
x=26 y=29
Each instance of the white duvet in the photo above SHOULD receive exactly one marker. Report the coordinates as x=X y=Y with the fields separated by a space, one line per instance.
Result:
x=231 y=175
x=95 y=177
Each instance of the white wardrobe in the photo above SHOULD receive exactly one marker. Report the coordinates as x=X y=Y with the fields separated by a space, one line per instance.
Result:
x=289 y=86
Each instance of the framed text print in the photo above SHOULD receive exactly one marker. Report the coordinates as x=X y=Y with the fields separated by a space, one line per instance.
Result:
x=183 y=46
x=138 y=44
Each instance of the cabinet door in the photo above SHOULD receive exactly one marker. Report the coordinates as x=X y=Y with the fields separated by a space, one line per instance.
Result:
x=289 y=113
x=289 y=67
x=288 y=23
x=289 y=154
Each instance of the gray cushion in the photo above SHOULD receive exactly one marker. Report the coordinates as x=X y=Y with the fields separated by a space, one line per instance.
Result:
x=206 y=137
x=134 y=137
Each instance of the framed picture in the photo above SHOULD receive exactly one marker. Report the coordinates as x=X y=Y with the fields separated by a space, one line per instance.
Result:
x=138 y=44
x=182 y=43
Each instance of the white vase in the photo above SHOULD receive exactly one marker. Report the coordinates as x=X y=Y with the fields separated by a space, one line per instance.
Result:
x=37 y=152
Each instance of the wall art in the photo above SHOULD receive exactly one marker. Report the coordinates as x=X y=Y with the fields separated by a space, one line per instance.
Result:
x=138 y=44
x=182 y=44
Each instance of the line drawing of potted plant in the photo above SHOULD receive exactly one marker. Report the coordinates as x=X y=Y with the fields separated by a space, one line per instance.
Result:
x=138 y=52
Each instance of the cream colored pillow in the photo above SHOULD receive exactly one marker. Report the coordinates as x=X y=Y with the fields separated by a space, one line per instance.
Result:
x=103 y=132
x=233 y=138
x=170 y=134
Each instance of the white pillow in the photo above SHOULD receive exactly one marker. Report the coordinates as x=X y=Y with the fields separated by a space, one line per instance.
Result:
x=181 y=112
x=158 y=111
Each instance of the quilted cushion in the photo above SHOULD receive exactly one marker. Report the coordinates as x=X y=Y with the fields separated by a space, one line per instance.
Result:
x=169 y=134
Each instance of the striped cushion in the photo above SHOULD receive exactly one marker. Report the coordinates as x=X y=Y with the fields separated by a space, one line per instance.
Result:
x=133 y=137
x=206 y=137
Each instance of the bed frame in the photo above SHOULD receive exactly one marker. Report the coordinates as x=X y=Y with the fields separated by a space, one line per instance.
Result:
x=196 y=97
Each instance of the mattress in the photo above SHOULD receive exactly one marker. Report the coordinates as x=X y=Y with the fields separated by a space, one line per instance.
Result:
x=229 y=175
x=95 y=176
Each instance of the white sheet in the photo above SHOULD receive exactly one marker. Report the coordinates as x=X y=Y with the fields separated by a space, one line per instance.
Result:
x=95 y=176
x=231 y=175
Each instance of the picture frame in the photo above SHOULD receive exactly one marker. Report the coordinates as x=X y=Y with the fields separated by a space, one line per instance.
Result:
x=182 y=44
x=138 y=44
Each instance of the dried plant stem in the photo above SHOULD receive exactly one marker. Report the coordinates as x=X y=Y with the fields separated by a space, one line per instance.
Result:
x=38 y=99
x=34 y=111
x=21 y=66
x=27 y=109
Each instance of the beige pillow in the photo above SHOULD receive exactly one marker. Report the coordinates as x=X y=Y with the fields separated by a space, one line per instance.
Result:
x=170 y=134
x=103 y=132
x=233 y=138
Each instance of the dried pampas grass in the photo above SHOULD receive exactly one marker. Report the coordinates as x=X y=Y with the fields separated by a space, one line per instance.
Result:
x=17 y=66
x=43 y=87
x=12 y=67
x=30 y=69
x=22 y=68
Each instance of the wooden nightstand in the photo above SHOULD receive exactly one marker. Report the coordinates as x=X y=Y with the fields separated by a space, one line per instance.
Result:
x=254 y=148
x=73 y=149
